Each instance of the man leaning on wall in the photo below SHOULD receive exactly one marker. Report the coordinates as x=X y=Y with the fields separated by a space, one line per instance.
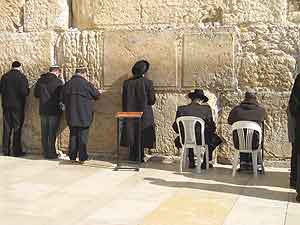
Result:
x=13 y=88
x=47 y=90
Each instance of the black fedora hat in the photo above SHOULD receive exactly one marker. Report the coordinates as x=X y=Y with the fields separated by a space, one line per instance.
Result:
x=198 y=93
x=140 y=68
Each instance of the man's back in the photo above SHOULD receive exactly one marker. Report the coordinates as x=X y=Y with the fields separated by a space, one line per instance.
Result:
x=202 y=111
x=78 y=95
x=48 y=89
x=249 y=111
x=14 y=89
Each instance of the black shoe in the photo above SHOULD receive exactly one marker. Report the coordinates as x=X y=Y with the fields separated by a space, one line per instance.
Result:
x=19 y=154
x=298 y=198
x=52 y=156
x=203 y=166
x=192 y=165
x=6 y=153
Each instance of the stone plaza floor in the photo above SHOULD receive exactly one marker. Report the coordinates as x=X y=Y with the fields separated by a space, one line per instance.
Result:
x=34 y=191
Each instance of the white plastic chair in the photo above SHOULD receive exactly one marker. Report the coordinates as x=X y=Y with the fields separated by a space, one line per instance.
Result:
x=245 y=144
x=189 y=123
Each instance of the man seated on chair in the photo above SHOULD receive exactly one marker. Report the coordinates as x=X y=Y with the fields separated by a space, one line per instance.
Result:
x=249 y=110
x=199 y=108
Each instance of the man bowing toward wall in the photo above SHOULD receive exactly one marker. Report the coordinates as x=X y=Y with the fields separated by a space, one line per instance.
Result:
x=78 y=97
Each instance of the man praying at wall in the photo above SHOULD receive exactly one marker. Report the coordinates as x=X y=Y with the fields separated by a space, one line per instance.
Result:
x=47 y=90
x=14 y=89
x=78 y=96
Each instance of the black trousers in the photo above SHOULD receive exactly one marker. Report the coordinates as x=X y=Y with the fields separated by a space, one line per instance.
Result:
x=49 y=126
x=12 y=125
x=293 y=174
x=78 y=143
x=298 y=174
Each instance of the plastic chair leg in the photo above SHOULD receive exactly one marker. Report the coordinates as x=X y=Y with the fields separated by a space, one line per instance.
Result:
x=261 y=162
x=254 y=163
x=235 y=162
x=181 y=161
x=199 y=160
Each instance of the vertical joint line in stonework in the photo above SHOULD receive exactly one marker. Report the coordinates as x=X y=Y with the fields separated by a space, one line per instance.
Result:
x=71 y=22
x=141 y=11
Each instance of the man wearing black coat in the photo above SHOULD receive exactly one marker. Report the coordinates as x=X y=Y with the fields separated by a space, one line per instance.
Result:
x=248 y=110
x=14 y=89
x=138 y=96
x=48 y=89
x=294 y=109
x=199 y=108
x=78 y=96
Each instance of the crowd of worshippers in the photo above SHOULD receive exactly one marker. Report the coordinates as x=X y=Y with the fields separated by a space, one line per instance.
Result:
x=76 y=96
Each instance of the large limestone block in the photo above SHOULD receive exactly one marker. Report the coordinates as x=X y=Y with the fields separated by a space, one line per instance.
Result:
x=99 y=13
x=46 y=15
x=181 y=11
x=122 y=49
x=11 y=15
x=269 y=57
x=208 y=59
x=85 y=48
x=34 y=51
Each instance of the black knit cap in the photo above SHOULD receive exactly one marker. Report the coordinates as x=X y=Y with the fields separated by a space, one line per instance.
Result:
x=15 y=64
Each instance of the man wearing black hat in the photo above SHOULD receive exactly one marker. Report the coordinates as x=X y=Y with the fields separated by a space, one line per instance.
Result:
x=139 y=96
x=47 y=89
x=249 y=110
x=199 y=108
x=14 y=89
x=78 y=96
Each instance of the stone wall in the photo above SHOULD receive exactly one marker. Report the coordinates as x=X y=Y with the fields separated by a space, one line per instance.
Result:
x=222 y=46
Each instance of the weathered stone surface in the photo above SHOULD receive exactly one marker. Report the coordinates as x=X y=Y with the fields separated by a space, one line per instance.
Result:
x=42 y=15
x=98 y=13
x=245 y=11
x=123 y=49
x=11 y=15
x=85 y=48
x=181 y=11
x=269 y=55
x=294 y=11
x=207 y=58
